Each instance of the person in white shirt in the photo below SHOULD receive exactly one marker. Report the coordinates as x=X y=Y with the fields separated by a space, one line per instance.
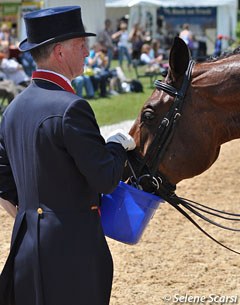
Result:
x=187 y=35
x=147 y=59
x=13 y=70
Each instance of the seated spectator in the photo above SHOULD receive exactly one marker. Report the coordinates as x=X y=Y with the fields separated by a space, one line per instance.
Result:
x=7 y=85
x=147 y=58
x=8 y=40
x=97 y=63
x=5 y=36
x=28 y=63
x=83 y=81
x=156 y=49
x=13 y=70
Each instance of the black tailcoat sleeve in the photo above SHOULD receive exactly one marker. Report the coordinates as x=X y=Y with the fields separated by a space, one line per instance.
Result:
x=8 y=190
x=102 y=165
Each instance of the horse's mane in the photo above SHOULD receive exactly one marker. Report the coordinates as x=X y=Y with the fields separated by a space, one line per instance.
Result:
x=224 y=55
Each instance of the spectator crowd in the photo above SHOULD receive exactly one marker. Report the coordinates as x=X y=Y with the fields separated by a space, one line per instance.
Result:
x=100 y=79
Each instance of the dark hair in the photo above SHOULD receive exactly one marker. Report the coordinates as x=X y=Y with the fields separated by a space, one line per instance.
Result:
x=185 y=26
x=108 y=21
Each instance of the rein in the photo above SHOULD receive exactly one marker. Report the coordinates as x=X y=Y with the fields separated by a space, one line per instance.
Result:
x=147 y=171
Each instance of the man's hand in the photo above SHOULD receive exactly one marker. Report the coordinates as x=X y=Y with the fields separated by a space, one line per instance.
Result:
x=123 y=138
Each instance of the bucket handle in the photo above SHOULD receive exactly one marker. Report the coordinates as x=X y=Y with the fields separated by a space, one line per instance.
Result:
x=133 y=179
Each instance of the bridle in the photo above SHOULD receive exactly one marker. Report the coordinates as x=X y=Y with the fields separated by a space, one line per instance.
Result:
x=147 y=169
x=146 y=176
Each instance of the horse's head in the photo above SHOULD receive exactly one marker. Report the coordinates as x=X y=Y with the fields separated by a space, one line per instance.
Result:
x=172 y=139
x=181 y=127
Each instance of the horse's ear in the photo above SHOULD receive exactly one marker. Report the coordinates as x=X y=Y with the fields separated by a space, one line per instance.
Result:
x=179 y=57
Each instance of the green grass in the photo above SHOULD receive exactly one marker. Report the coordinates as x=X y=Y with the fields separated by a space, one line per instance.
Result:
x=125 y=106
x=3 y=105
x=117 y=108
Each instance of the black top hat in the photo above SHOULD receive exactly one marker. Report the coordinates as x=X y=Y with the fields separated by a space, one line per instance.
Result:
x=52 y=25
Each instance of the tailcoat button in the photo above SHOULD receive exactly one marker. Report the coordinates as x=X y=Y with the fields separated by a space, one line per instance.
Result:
x=40 y=211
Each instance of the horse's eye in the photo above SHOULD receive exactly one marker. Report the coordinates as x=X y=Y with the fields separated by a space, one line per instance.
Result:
x=148 y=115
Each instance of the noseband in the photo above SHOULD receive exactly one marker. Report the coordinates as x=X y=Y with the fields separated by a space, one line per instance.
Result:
x=147 y=177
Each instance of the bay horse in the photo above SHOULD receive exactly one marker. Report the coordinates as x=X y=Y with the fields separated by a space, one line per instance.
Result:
x=181 y=127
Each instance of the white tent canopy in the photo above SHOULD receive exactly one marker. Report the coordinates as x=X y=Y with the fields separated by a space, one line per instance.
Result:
x=171 y=3
x=226 y=19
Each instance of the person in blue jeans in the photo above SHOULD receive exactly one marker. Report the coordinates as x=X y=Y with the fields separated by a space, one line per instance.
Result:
x=218 y=46
x=83 y=81
x=123 y=44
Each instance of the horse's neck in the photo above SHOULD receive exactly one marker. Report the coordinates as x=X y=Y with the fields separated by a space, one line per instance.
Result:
x=216 y=86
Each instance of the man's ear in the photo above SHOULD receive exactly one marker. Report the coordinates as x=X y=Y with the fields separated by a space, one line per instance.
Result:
x=58 y=51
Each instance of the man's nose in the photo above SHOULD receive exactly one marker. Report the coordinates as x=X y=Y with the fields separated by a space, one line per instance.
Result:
x=86 y=51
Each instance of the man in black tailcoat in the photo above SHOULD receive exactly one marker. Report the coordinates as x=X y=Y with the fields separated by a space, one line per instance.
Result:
x=53 y=165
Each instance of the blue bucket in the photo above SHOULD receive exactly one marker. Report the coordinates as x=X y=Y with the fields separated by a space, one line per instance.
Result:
x=126 y=213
